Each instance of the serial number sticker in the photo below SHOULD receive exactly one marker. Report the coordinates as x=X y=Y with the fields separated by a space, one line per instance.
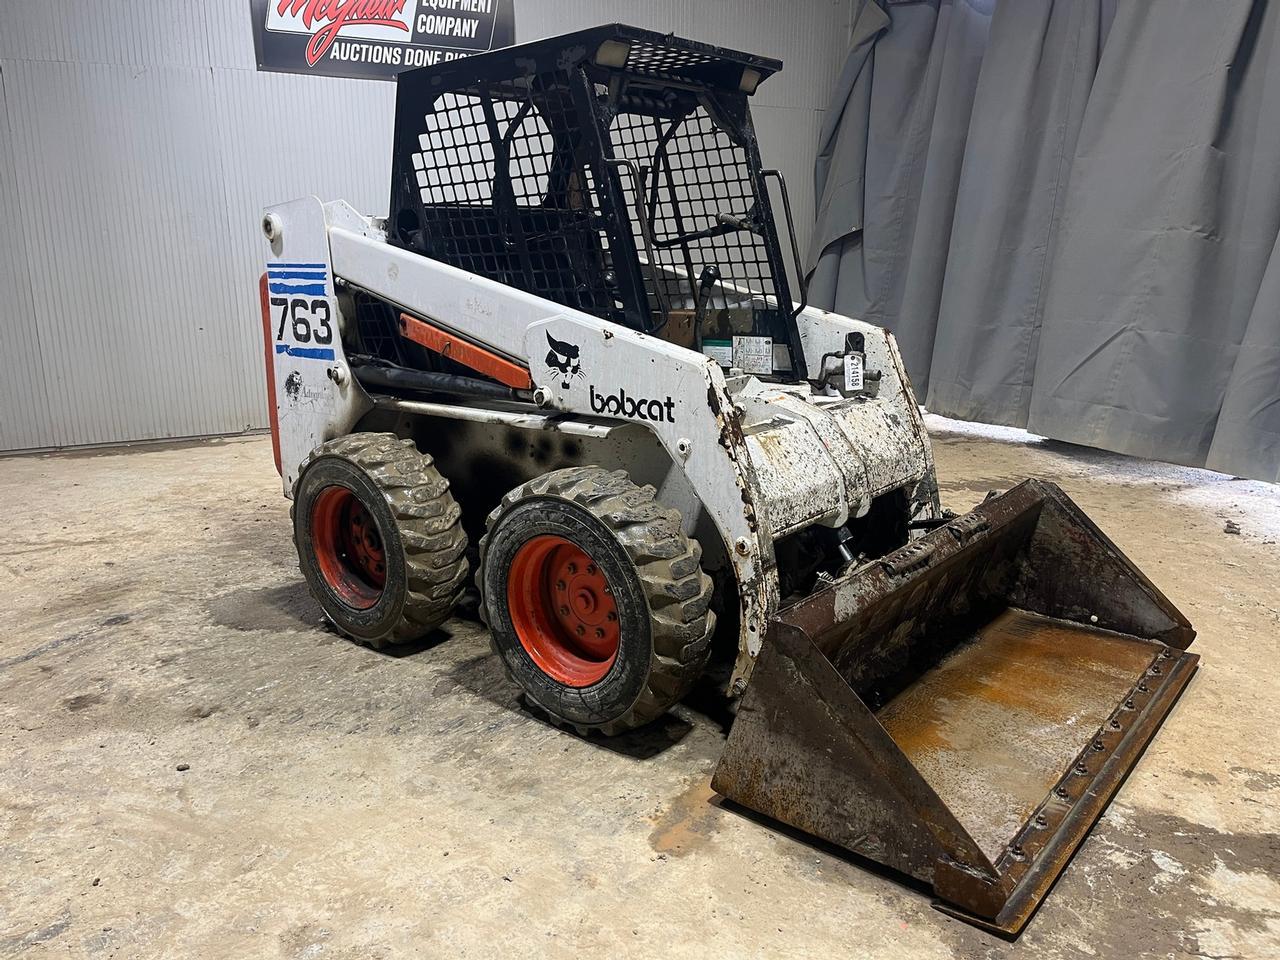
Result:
x=753 y=354
x=853 y=373
x=721 y=351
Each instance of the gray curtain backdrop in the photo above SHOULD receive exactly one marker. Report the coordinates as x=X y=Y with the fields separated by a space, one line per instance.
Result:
x=1068 y=211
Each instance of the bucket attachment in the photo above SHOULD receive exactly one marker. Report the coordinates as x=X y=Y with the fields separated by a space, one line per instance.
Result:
x=963 y=709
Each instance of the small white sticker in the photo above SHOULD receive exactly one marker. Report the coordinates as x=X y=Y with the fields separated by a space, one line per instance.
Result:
x=753 y=354
x=852 y=373
x=781 y=357
x=721 y=351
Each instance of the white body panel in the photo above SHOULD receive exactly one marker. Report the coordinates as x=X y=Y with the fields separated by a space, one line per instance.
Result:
x=761 y=460
x=316 y=398
x=476 y=307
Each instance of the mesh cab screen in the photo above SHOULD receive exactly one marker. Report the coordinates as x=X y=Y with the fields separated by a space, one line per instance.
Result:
x=693 y=176
x=499 y=194
x=636 y=199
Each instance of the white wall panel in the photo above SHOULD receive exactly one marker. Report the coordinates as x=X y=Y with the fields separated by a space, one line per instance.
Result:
x=228 y=34
x=809 y=36
x=267 y=126
x=788 y=137
x=24 y=413
x=126 y=224
x=536 y=19
x=138 y=32
x=138 y=145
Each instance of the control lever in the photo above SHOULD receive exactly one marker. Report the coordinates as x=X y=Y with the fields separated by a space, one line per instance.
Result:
x=738 y=223
x=707 y=280
x=638 y=175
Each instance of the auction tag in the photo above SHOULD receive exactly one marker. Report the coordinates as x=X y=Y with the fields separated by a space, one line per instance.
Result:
x=721 y=351
x=853 y=372
x=753 y=354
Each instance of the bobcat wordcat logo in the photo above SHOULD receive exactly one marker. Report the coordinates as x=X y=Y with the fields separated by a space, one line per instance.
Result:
x=639 y=408
x=566 y=360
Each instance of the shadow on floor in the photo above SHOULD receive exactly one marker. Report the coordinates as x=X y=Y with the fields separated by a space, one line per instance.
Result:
x=286 y=606
x=704 y=705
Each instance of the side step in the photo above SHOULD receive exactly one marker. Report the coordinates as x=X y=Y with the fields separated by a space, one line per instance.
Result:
x=964 y=709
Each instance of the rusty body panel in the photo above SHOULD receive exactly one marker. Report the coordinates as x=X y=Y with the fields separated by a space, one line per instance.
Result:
x=963 y=709
x=826 y=461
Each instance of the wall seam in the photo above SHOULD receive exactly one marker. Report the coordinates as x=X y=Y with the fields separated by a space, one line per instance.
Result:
x=26 y=254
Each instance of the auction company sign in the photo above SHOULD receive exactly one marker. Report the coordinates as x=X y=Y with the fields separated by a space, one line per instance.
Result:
x=375 y=39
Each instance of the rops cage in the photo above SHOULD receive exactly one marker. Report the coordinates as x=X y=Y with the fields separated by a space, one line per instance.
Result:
x=615 y=171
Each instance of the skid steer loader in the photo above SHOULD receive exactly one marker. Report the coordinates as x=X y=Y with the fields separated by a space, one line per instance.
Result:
x=569 y=362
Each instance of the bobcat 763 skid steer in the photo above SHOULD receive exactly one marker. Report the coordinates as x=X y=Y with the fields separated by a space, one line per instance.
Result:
x=569 y=364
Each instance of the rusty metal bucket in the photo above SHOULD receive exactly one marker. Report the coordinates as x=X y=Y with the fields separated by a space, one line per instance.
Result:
x=964 y=709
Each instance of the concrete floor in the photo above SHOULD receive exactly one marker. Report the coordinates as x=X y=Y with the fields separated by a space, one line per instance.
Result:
x=341 y=803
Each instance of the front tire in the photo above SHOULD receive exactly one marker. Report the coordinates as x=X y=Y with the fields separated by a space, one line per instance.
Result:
x=379 y=538
x=595 y=599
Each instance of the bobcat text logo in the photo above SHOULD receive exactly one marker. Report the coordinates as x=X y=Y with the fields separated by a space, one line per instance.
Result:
x=336 y=15
x=564 y=358
x=620 y=405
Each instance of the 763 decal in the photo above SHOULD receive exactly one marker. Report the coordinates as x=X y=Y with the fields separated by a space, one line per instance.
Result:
x=307 y=320
x=304 y=323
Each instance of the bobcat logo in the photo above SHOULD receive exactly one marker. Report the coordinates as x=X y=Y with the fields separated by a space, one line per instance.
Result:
x=564 y=358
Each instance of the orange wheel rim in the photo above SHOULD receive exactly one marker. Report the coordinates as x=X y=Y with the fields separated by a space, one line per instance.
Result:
x=563 y=611
x=348 y=548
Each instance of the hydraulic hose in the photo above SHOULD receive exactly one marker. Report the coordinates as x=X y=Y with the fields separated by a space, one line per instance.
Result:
x=381 y=375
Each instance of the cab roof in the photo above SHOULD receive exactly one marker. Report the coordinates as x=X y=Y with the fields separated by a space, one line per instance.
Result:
x=621 y=48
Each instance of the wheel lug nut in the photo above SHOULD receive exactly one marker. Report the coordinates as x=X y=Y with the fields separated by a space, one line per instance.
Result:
x=573 y=568
x=612 y=616
x=591 y=568
x=561 y=585
x=599 y=634
x=581 y=630
x=564 y=611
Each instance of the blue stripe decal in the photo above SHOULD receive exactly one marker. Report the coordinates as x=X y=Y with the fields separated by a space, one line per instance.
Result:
x=315 y=289
x=297 y=266
x=306 y=353
x=296 y=275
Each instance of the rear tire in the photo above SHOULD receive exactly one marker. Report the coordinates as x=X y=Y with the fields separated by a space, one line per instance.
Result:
x=595 y=599
x=379 y=538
